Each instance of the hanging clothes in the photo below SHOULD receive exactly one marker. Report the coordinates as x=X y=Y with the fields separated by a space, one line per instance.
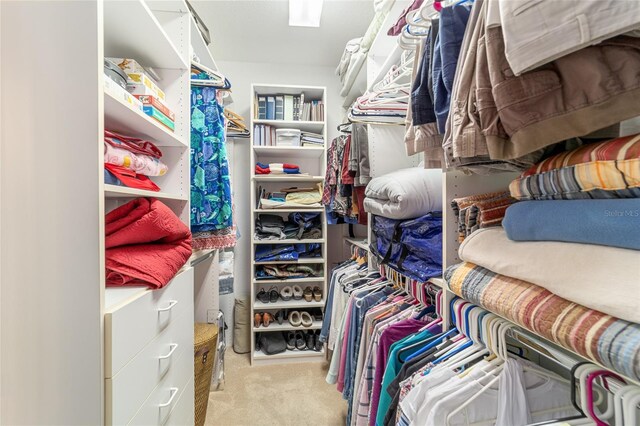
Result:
x=211 y=203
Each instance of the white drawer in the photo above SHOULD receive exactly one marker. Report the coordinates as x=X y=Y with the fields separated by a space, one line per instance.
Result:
x=184 y=412
x=130 y=327
x=126 y=391
x=157 y=407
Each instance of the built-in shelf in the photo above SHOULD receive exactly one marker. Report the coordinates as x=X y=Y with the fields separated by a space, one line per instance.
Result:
x=199 y=256
x=121 y=118
x=116 y=296
x=301 y=261
x=146 y=41
x=287 y=178
x=115 y=191
x=287 y=304
x=291 y=210
x=358 y=243
x=261 y=356
x=305 y=126
x=286 y=326
x=289 y=151
x=290 y=241
x=289 y=281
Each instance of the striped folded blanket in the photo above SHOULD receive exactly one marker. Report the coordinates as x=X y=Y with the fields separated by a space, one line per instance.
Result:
x=605 y=339
x=480 y=211
x=609 y=169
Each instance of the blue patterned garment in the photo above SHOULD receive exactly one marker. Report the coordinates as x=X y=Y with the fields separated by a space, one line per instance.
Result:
x=210 y=184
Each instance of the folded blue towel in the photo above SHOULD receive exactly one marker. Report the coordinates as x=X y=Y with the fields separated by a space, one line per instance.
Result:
x=612 y=222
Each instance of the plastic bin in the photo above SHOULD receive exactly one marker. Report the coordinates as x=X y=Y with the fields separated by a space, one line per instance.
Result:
x=287 y=137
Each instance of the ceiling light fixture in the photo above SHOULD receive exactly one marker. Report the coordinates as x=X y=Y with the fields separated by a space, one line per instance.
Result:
x=305 y=13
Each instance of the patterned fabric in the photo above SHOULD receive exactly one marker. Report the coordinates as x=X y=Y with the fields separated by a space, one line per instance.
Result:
x=117 y=154
x=608 y=169
x=594 y=335
x=480 y=211
x=211 y=208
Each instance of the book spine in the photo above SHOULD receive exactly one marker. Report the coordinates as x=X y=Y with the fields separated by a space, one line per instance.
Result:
x=159 y=117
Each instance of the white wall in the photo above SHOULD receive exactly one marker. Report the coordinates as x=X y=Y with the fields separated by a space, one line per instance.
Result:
x=242 y=75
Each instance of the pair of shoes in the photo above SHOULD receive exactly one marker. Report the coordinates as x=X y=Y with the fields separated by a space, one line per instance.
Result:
x=289 y=292
x=313 y=294
x=298 y=318
x=270 y=296
x=264 y=318
x=295 y=340
x=313 y=341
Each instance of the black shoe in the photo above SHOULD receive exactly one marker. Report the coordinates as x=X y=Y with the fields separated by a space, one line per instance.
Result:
x=318 y=344
x=280 y=316
x=263 y=296
x=311 y=340
x=290 y=338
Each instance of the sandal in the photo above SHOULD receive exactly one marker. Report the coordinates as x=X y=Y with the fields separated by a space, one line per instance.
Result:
x=273 y=294
x=291 y=340
x=257 y=320
x=300 y=343
x=297 y=292
x=263 y=296
x=311 y=340
x=306 y=319
x=317 y=294
x=295 y=318
x=267 y=319
x=308 y=294
x=280 y=316
x=286 y=293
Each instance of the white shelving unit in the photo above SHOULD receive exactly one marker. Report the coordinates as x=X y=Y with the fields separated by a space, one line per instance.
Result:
x=312 y=160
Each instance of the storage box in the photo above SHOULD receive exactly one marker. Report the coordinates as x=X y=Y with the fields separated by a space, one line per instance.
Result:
x=205 y=344
x=148 y=100
x=287 y=137
x=159 y=117
x=119 y=93
x=138 y=80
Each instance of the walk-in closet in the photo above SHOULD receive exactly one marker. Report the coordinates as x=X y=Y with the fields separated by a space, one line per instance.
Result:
x=320 y=212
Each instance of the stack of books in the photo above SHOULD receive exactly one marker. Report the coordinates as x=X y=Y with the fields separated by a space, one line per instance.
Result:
x=287 y=108
x=264 y=135
x=311 y=139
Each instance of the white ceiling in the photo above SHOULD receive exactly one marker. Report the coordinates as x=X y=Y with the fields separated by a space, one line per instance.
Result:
x=259 y=31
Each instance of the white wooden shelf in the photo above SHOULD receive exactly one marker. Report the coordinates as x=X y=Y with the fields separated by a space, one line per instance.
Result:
x=116 y=296
x=287 y=304
x=286 y=326
x=290 y=241
x=115 y=191
x=289 y=281
x=120 y=118
x=305 y=126
x=291 y=210
x=260 y=356
x=358 y=243
x=132 y=31
x=200 y=256
x=289 y=151
x=287 y=178
x=301 y=261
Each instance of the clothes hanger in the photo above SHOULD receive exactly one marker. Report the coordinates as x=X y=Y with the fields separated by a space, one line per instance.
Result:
x=610 y=412
x=620 y=396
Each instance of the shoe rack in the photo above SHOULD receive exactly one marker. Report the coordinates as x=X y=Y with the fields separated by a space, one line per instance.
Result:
x=312 y=161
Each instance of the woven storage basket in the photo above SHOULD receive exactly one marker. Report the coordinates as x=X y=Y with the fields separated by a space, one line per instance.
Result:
x=205 y=343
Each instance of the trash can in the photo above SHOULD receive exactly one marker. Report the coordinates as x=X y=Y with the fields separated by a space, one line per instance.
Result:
x=205 y=345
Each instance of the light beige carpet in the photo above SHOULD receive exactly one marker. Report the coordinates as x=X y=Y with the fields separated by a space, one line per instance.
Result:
x=281 y=394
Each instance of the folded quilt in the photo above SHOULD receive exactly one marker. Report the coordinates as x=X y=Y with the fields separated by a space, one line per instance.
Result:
x=570 y=270
x=479 y=211
x=595 y=335
x=146 y=244
x=405 y=194
x=609 y=169
x=614 y=223
x=117 y=154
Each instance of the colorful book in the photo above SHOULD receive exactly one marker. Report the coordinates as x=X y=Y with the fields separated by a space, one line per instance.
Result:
x=159 y=117
x=148 y=100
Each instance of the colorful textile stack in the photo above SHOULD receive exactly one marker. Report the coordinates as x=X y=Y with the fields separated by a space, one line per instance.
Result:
x=129 y=161
x=480 y=211
x=145 y=244
x=211 y=204
x=268 y=272
x=277 y=169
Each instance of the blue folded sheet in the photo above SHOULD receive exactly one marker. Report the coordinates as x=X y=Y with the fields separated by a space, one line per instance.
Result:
x=613 y=222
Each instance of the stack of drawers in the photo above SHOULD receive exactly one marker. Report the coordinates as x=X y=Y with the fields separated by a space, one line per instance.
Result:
x=149 y=357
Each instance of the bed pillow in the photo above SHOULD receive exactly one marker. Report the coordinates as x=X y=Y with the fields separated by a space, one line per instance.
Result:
x=609 y=169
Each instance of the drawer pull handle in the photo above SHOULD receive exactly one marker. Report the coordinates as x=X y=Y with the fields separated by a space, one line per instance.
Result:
x=173 y=347
x=172 y=303
x=174 y=392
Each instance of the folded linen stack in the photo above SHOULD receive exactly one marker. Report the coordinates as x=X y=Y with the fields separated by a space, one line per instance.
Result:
x=265 y=272
x=299 y=225
x=277 y=169
x=280 y=252
x=480 y=211
x=129 y=161
x=306 y=197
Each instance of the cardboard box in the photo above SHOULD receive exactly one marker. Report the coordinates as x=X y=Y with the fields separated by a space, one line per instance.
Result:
x=148 y=100
x=159 y=117
x=138 y=80
x=115 y=90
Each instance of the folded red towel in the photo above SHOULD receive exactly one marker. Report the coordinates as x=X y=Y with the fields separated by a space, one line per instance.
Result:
x=146 y=244
x=262 y=170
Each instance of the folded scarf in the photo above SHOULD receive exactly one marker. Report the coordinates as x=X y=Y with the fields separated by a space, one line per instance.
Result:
x=480 y=211
x=614 y=222
x=146 y=244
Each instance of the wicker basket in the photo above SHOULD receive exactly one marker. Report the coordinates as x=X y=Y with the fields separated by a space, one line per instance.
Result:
x=205 y=343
